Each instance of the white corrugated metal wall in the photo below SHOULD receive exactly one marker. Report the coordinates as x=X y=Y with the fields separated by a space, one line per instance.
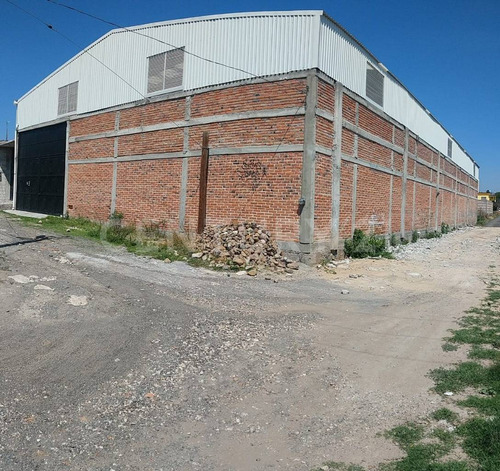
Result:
x=343 y=59
x=259 y=43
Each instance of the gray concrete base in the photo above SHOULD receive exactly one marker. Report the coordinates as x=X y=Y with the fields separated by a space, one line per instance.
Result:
x=26 y=214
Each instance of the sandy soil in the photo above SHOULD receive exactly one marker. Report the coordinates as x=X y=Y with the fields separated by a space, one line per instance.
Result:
x=119 y=362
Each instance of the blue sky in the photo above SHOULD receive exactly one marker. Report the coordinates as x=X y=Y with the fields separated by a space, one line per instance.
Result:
x=445 y=51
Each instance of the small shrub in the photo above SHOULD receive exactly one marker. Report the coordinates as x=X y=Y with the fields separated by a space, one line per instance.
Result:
x=445 y=228
x=445 y=414
x=415 y=236
x=433 y=235
x=120 y=235
x=362 y=246
x=481 y=219
x=394 y=240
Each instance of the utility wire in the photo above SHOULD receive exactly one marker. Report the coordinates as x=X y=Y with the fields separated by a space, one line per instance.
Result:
x=51 y=27
x=130 y=30
x=211 y=61
x=116 y=25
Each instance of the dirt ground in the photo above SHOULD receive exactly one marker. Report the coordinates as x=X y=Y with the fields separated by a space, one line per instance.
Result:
x=111 y=361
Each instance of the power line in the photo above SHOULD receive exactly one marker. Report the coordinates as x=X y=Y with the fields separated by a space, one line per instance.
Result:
x=51 y=27
x=116 y=25
x=130 y=30
x=186 y=51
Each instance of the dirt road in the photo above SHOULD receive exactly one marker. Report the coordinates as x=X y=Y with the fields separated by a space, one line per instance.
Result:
x=110 y=361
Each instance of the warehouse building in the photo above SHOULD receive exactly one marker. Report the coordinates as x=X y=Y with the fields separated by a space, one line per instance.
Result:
x=309 y=134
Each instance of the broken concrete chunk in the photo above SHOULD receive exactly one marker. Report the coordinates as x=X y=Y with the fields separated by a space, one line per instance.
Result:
x=43 y=287
x=77 y=300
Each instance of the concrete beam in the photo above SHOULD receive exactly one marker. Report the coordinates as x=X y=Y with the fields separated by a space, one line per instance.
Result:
x=223 y=118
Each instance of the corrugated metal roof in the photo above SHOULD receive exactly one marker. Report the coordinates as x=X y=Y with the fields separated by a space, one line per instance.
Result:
x=261 y=44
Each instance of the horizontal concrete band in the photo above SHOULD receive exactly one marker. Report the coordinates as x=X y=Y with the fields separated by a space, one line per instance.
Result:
x=380 y=168
x=400 y=150
x=224 y=118
x=195 y=153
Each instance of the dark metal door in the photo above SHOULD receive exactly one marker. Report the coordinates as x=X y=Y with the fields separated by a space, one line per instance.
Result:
x=40 y=170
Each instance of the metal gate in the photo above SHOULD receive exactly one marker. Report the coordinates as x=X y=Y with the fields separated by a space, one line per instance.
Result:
x=41 y=169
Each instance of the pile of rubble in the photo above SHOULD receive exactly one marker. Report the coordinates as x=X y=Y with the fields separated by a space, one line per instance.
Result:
x=246 y=245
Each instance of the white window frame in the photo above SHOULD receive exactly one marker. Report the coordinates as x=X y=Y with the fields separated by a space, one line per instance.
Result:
x=170 y=89
x=369 y=66
x=66 y=109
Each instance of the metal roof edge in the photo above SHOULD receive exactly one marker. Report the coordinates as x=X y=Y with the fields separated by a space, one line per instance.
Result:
x=171 y=22
x=391 y=75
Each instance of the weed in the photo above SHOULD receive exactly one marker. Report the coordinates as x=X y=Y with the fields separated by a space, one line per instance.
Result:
x=445 y=228
x=407 y=435
x=482 y=441
x=415 y=236
x=445 y=414
x=335 y=466
x=465 y=374
x=121 y=235
x=481 y=353
x=432 y=235
x=449 y=347
x=394 y=240
x=362 y=246
x=481 y=219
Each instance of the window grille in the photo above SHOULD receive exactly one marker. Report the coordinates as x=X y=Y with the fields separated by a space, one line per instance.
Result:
x=374 y=85
x=165 y=70
x=68 y=98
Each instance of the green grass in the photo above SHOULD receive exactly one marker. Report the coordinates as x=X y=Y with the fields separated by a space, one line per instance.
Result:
x=427 y=448
x=335 y=466
x=152 y=241
x=362 y=245
x=481 y=441
x=445 y=414
x=405 y=436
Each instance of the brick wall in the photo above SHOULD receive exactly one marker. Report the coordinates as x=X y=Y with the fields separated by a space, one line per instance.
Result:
x=257 y=186
x=255 y=172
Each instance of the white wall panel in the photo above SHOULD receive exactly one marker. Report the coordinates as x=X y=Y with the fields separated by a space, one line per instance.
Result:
x=259 y=44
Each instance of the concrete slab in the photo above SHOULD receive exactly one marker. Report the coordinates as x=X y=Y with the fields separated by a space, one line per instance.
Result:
x=26 y=214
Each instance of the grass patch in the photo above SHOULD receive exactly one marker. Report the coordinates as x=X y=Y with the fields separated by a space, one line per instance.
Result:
x=481 y=353
x=151 y=241
x=481 y=441
x=445 y=414
x=336 y=466
x=362 y=245
x=407 y=435
x=449 y=347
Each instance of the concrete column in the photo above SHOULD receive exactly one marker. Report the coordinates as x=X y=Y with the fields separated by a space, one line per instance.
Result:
x=306 y=231
x=66 y=169
x=16 y=154
x=184 y=171
x=438 y=190
x=115 y=165
x=456 y=196
x=354 y=197
x=391 y=184
x=403 y=183
x=336 y=167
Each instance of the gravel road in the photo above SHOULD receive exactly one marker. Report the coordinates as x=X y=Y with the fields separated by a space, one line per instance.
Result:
x=112 y=361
